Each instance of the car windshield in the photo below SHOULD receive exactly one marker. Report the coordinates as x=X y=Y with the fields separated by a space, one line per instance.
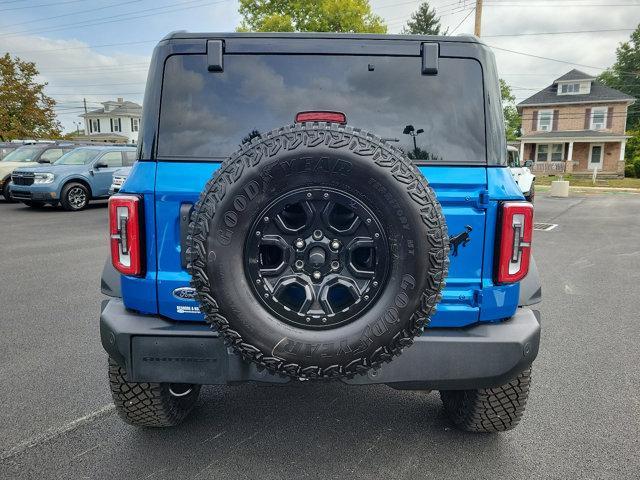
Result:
x=23 y=154
x=431 y=117
x=513 y=158
x=79 y=156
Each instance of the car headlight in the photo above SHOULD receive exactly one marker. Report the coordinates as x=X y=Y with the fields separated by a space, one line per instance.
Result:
x=43 y=178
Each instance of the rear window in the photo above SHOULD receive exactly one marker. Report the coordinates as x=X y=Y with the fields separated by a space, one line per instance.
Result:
x=208 y=115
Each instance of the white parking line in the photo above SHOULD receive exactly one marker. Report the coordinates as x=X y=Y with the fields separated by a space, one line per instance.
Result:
x=56 y=432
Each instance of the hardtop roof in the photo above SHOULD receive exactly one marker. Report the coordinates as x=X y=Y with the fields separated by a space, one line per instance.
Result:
x=183 y=35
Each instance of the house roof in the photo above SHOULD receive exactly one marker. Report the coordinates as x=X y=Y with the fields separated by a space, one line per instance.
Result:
x=599 y=93
x=125 y=108
x=574 y=75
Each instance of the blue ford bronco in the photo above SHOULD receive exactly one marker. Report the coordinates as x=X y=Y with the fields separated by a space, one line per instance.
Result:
x=321 y=207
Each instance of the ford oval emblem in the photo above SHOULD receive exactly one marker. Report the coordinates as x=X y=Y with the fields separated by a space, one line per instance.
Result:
x=185 y=293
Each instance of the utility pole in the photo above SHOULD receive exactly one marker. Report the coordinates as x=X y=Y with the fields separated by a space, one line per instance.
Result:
x=477 y=28
x=86 y=121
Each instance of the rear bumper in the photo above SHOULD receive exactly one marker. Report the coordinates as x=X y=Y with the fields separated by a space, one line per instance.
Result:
x=153 y=349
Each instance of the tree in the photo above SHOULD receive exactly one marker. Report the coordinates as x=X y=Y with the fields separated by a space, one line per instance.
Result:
x=512 y=120
x=349 y=16
x=25 y=111
x=424 y=22
x=624 y=75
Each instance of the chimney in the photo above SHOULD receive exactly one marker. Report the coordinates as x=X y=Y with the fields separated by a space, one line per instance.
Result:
x=120 y=100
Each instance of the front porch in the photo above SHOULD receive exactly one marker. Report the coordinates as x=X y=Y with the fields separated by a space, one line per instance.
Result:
x=568 y=155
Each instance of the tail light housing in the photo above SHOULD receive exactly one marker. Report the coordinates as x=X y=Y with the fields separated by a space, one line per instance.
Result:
x=317 y=116
x=124 y=233
x=514 y=251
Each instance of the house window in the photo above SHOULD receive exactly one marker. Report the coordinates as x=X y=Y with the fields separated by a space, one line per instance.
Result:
x=598 y=118
x=542 y=153
x=570 y=88
x=135 y=124
x=553 y=152
x=94 y=125
x=116 y=126
x=557 y=152
x=545 y=120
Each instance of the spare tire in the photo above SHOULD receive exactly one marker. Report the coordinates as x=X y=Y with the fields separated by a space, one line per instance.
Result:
x=318 y=251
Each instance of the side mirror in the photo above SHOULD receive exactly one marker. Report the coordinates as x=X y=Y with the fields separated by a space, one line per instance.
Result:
x=528 y=163
x=42 y=160
x=101 y=165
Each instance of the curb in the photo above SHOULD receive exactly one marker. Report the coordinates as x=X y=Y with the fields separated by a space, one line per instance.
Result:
x=594 y=189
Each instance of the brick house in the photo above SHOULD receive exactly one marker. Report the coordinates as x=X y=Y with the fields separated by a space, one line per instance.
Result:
x=575 y=125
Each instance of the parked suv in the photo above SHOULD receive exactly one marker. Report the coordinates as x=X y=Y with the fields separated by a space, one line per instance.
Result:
x=29 y=155
x=76 y=178
x=321 y=207
x=118 y=179
x=522 y=173
x=7 y=147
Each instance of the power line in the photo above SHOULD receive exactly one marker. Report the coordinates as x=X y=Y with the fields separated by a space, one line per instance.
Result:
x=77 y=12
x=41 y=5
x=546 y=58
x=555 y=5
x=558 y=33
x=462 y=21
x=121 y=17
x=84 y=47
x=95 y=84
x=95 y=93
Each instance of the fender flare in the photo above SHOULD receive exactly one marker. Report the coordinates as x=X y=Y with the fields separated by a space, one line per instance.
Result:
x=530 y=286
x=78 y=179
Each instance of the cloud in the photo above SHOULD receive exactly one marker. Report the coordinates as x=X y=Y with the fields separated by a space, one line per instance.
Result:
x=75 y=72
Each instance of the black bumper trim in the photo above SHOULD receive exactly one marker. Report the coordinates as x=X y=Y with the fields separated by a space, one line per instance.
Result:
x=153 y=349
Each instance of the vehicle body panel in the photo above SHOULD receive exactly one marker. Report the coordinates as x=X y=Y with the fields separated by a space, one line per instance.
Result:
x=462 y=189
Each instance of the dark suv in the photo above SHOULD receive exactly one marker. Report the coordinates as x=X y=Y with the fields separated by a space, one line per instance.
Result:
x=321 y=207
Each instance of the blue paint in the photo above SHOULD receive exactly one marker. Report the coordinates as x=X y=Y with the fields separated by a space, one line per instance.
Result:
x=140 y=293
x=469 y=196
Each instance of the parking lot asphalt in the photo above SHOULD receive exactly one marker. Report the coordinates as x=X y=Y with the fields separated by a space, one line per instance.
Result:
x=582 y=420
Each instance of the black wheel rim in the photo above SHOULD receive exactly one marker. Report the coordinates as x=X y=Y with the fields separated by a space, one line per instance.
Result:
x=317 y=258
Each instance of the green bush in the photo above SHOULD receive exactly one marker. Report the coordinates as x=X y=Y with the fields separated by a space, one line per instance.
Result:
x=636 y=167
x=629 y=171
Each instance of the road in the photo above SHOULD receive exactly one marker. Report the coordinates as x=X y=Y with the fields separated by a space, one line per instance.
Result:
x=582 y=420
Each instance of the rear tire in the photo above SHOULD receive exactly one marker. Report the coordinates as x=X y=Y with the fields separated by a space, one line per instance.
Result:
x=531 y=196
x=488 y=410
x=150 y=404
x=74 y=197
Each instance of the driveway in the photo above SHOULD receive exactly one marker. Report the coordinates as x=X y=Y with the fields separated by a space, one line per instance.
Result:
x=582 y=420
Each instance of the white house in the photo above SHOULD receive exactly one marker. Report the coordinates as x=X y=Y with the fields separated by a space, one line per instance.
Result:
x=117 y=121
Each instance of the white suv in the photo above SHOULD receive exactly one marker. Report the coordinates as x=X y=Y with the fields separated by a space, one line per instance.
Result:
x=522 y=173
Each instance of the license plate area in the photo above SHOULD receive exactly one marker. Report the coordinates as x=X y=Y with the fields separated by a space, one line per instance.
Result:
x=190 y=359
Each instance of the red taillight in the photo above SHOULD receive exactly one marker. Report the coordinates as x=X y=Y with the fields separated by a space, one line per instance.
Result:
x=124 y=232
x=330 y=117
x=516 y=232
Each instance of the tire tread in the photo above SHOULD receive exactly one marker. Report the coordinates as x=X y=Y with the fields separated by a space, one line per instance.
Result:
x=309 y=135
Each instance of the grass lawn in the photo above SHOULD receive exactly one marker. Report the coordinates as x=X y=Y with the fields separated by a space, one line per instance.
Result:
x=586 y=182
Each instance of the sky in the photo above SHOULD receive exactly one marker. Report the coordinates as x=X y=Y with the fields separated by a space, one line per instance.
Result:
x=100 y=50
